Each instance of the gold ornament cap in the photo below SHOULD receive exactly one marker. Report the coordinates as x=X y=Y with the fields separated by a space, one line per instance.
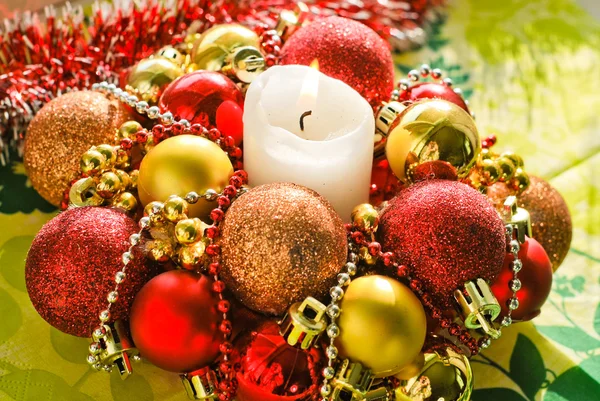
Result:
x=432 y=131
x=351 y=382
x=480 y=307
x=244 y=64
x=517 y=217
x=200 y=385
x=446 y=377
x=116 y=347
x=385 y=122
x=83 y=193
x=304 y=323
x=289 y=21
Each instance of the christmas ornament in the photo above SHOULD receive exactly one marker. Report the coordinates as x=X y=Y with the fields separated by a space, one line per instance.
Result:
x=550 y=219
x=432 y=90
x=430 y=136
x=150 y=76
x=534 y=282
x=446 y=375
x=382 y=325
x=71 y=265
x=447 y=232
x=61 y=132
x=346 y=50
x=197 y=97
x=384 y=184
x=182 y=164
x=174 y=321
x=230 y=48
x=272 y=370
x=281 y=243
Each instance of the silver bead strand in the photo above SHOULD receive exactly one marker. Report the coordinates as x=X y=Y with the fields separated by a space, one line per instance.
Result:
x=515 y=284
x=333 y=311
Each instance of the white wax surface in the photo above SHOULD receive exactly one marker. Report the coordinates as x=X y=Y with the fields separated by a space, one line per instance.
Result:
x=333 y=155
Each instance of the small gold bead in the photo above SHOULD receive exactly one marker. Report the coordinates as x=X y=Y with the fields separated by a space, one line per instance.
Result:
x=108 y=185
x=92 y=161
x=365 y=217
x=129 y=129
x=192 y=256
x=133 y=175
x=516 y=159
x=159 y=250
x=188 y=231
x=486 y=154
x=123 y=159
x=520 y=182
x=126 y=201
x=124 y=178
x=489 y=171
x=507 y=169
x=366 y=257
x=109 y=153
x=175 y=209
x=154 y=207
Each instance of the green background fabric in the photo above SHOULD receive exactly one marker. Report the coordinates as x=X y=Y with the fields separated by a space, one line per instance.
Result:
x=531 y=70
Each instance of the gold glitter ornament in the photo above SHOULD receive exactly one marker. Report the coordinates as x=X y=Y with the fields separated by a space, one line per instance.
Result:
x=280 y=243
x=382 y=325
x=63 y=130
x=429 y=132
x=182 y=164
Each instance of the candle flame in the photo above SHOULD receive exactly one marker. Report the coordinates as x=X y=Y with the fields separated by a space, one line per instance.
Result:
x=314 y=64
x=309 y=91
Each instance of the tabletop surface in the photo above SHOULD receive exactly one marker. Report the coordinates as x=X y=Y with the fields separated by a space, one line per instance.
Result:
x=531 y=70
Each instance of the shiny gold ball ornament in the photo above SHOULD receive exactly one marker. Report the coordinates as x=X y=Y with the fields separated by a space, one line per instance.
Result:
x=382 y=325
x=188 y=231
x=150 y=76
x=183 y=164
x=365 y=217
x=214 y=45
x=175 y=208
x=280 y=243
x=507 y=168
x=429 y=132
x=63 y=130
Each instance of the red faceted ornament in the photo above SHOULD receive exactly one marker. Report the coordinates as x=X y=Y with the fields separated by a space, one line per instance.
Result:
x=198 y=96
x=347 y=50
x=433 y=90
x=535 y=281
x=273 y=370
x=71 y=267
x=175 y=322
x=447 y=233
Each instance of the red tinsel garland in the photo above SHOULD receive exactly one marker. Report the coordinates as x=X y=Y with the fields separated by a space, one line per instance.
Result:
x=42 y=59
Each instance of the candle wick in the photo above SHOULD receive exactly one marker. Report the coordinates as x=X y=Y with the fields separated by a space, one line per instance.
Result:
x=305 y=114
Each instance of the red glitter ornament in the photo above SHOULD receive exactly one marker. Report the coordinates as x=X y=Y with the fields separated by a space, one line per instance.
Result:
x=175 y=322
x=433 y=90
x=535 y=281
x=197 y=97
x=273 y=370
x=71 y=267
x=447 y=232
x=346 y=50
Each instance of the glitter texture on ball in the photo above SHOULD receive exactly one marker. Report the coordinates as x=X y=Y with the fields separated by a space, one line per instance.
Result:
x=447 y=233
x=61 y=132
x=71 y=266
x=346 y=50
x=281 y=243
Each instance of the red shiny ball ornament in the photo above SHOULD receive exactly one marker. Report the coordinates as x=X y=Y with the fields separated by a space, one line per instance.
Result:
x=175 y=322
x=535 y=278
x=71 y=267
x=229 y=120
x=272 y=370
x=433 y=90
x=447 y=233
x=384 y=184
x=198 y=96
x=347 y=50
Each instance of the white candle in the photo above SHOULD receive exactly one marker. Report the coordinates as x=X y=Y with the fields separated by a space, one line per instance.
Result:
x=332 y=154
